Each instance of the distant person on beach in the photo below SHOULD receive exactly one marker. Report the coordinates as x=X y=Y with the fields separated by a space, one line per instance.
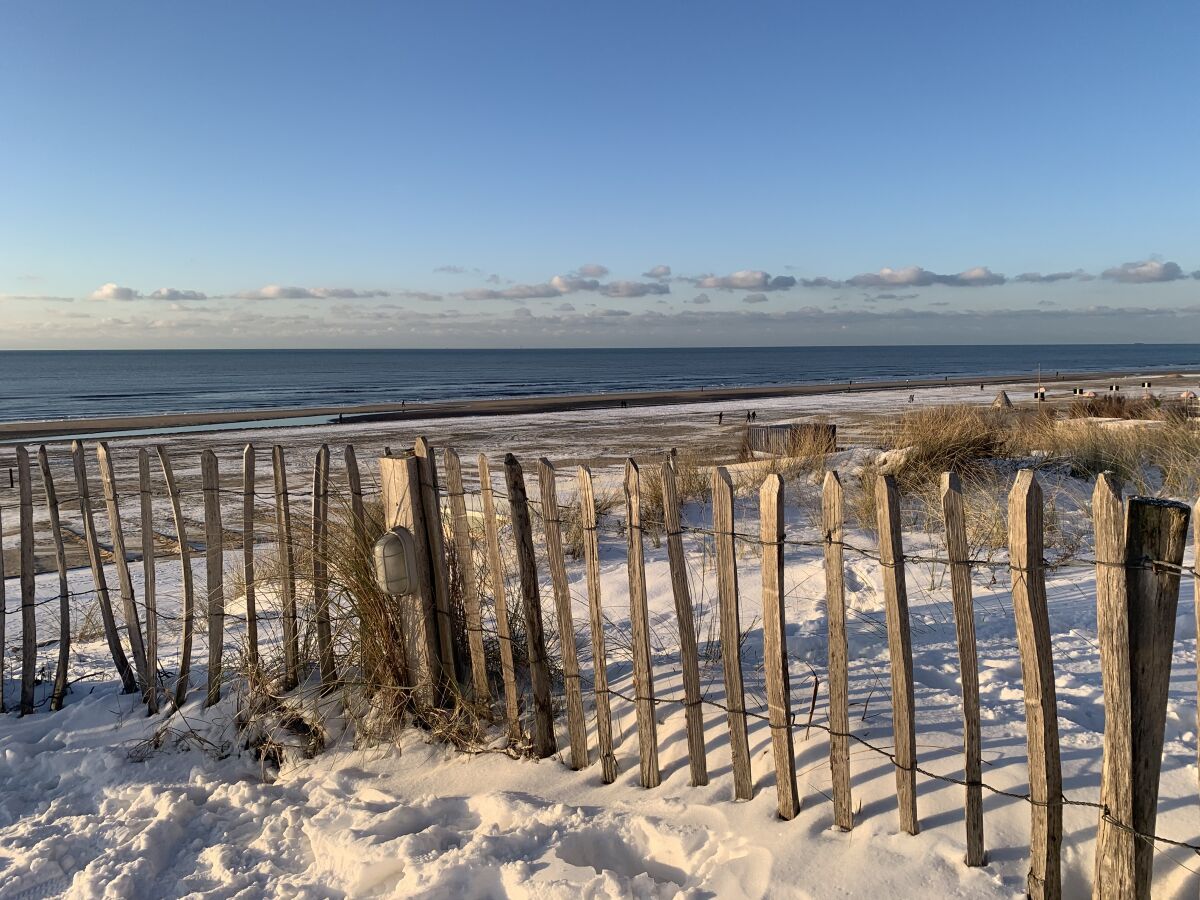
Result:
x=720 y=417
x=911 y=397
x=747 y=415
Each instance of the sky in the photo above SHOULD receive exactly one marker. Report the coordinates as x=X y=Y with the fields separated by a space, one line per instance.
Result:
x=619 y=174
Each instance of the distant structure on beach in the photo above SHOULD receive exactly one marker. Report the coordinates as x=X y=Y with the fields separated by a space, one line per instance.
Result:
x=783 y=440
x=1002 y=401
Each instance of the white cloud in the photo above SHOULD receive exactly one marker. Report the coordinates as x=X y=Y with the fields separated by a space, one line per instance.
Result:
x=114 y=291
x=592 y=270
x=916 y=276
x=659 y=272
x=177 y=294
x=755 y=298
x=745 y=280
x=1050 y=278
x=1146 y=272
x=634 y=288
x=282 y=292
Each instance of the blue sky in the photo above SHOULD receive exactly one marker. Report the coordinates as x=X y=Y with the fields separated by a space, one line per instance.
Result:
x=417 y=174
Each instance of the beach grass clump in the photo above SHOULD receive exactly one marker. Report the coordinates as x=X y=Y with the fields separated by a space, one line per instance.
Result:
x=1158 y=457
x=953 y=438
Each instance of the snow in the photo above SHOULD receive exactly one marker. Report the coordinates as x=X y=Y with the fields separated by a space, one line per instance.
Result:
x=89 y=809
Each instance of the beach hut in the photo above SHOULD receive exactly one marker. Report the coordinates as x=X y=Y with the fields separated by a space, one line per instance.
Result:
x=1002 y=401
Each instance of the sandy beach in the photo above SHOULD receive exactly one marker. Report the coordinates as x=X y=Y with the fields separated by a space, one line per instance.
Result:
x=59 y=429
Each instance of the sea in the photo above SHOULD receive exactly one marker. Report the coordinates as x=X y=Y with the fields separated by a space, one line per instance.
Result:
x=45 y=385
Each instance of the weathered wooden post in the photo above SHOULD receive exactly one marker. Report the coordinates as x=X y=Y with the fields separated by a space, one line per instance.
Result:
x=399 y=480
x=28 y=593
x=491 y=527
x=1136 y=624
x=185 y=562
x=120 y=660
x=591 y=556
x=895 y=595
x=731 y=632
x=1025 y=545
x=775 y=660
x=461 y=529
x=643 y=666
x=954 y=513
x=832 y=524
x=435 y=537
x=117 y=534
x=544 y=742
x=214 y=559
x=64 y=595
x=357 y=509
x=689 y=658
x=552 y=531
x=320 y=568
x=248 y=487
x=287 y=570
x=150 y=588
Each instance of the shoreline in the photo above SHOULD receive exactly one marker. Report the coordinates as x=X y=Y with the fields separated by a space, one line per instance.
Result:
x=219 y=420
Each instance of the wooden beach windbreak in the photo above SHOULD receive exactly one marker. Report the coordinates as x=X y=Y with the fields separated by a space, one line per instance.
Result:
x=579 y=545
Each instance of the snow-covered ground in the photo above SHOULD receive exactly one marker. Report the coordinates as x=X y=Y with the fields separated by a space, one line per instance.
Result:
x=89 y=809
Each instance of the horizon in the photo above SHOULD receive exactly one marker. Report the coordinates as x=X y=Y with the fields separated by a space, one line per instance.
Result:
x=472 y=177
x=597 y=349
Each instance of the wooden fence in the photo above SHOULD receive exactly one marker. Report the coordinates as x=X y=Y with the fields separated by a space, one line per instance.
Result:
x=1139 y=551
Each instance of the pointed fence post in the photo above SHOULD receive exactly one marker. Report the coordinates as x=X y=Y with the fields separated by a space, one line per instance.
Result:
x=28 y=592
x=357 y=509
x=214 y=557
x=1115 y=847
x=552 y=531
x=120 y=660
x=895 y=595
x=544 y=743
x=591 y=556
x=64 y=594
x=731 y=633
x=461 y=528
x=1025 y=546
x=248 y=492
x=133 y=624
x=643 y=665
x=775 y=660
x=287 y=570
x=832 y=522
x=689 y=657
x=150 y=588
x=185 y=564
x=954 y=514
x=512 y=707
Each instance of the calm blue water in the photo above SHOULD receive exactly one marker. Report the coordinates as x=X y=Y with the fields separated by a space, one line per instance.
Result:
x=72 y=384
